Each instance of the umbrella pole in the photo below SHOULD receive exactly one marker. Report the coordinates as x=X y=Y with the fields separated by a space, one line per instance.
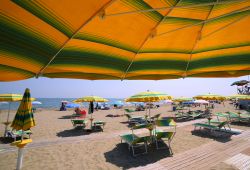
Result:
x=19 y=158
x=7 y=123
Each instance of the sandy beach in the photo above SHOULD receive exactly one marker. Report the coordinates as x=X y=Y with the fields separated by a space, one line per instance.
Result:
x=58 y=145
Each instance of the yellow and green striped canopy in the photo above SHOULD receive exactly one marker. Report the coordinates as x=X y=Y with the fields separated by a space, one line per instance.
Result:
x=182 y=99
x=239 y=96
x=24 y=119
x=209 y=97
x=10 y=97
x=124 y=39
x=90 y=99
x=148 y=96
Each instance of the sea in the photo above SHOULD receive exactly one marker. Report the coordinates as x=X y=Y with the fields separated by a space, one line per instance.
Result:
x=50 y=103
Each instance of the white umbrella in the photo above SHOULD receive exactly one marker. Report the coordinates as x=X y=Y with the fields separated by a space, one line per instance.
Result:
x=4 y=103
x=201 y=102
x=36 y=102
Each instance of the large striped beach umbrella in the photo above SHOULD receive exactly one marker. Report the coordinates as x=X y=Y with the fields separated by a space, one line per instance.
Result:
x=90 y=99
x=9 y=98
x=210 y=97
x=148 y=97
x=239 y=96
x=124 y=39
x=182 y=99
x=23 y=120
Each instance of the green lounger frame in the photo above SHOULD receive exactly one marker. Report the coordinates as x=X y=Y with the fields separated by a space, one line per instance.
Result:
x=98 y=125
x=135 y=141
x=160 y=135
x=79 y=122
x=212 y=127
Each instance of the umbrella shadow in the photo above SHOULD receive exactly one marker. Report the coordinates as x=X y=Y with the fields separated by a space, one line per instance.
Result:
x=216 y=135
x=122 y=157
x=78 y=131
x=66 y=117
x=6 y=140
x=247 y=124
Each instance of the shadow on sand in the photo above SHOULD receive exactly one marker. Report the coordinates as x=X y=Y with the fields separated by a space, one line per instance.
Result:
x=121 y=157
x=215 y=135
x=6 y=140
x=78 y=131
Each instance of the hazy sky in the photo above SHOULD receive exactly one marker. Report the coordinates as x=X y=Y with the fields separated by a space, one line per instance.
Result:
x=45 y=87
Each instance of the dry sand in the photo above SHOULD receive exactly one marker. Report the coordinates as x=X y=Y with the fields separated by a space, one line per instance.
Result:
x=75 y=149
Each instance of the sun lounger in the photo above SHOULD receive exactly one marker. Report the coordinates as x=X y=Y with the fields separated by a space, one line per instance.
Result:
x=154 y=118
x=239 y=117
x=17 y=134
x=98 y=125
x=79 y=122
x=164 y=135
x=135 y=141
x=129 y=110
x=221 y=126
x=194 y=115
x=133 y=120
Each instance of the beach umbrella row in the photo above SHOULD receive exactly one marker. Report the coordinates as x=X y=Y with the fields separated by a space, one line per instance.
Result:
x=210 y=97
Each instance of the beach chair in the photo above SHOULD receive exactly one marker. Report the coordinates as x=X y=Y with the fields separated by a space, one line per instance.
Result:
x=79 y=122
x=129 y=110
x=133 y=120
x=194 y=115
x=221 y=126
x=17 y=134
x=135 y=141
x=164 y=135
x=154 y=118
x=181 y=116
x=98 y=125
x=239 y=117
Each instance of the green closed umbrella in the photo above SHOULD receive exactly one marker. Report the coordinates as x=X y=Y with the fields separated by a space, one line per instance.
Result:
x=23 y=120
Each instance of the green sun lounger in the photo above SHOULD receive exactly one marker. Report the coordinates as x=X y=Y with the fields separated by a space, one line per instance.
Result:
x=16 y=134
x=213 y=126
x=98 y=125
x=135 y=141
x=164 y=135
x=239 y=117
x=79 y=122
x=129 y=110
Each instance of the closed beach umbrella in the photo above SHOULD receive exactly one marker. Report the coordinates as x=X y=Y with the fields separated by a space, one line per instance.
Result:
x=105 y=39
x=210 y=97
x=23 y=120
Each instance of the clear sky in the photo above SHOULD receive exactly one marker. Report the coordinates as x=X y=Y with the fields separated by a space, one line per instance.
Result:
x=45 y=87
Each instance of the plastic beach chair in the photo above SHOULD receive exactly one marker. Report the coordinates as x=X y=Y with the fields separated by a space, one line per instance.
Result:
x=98 y=125
x=164 y=135
x=79 y=122
x=135 y=141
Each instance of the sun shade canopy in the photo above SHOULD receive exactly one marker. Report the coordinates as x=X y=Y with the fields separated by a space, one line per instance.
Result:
x=108 y=39
x=148 y=96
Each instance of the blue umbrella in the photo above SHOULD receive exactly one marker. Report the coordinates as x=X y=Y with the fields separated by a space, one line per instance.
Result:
x=72 y=105
x=118 y=103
